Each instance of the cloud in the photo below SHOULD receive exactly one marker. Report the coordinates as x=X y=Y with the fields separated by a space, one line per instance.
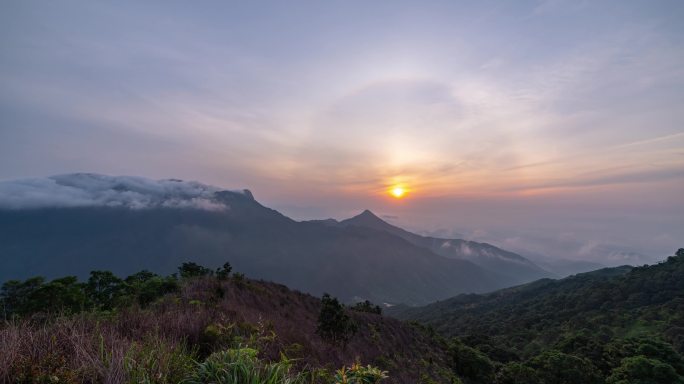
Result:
x=87 y=189
x=567 y=246
x=640 y=176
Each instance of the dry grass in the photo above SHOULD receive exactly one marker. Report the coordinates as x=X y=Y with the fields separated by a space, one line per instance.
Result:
x=156 y=344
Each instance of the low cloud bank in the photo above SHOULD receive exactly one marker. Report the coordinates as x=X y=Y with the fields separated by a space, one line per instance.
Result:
x=87 y=189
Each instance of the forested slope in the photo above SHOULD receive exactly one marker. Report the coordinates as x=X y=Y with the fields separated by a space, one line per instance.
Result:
x=614 y=322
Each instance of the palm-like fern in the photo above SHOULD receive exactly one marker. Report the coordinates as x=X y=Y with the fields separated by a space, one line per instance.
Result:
x=242 y=366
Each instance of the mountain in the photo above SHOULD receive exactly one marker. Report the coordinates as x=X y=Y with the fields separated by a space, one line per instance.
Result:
x=609 y=319
x=72 y=224
x=446 y=315
x=513 y=266
x=563 y=267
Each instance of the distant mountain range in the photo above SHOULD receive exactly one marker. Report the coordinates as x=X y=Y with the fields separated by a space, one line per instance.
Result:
x=513 y=266
x=563 y=267
x=72 y=224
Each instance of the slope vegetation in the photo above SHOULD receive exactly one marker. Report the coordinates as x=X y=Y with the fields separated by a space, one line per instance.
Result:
x=619 y=322
x=155 y=329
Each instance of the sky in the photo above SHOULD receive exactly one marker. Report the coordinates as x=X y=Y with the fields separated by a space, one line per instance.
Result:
x=550 y=128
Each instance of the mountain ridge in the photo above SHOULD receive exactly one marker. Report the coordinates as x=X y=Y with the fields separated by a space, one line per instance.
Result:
x=510 y=264
x=125 y=224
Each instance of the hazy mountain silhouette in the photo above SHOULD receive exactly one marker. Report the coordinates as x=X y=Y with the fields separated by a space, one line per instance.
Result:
x=85 y=222
x=348 y=261
x=514 y=266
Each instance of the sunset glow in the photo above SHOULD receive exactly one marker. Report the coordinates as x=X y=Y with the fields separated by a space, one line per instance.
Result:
x=398 y=192
x=454 y=116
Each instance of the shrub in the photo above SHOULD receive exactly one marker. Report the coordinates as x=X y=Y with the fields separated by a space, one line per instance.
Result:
x=239 y=279
x=49 y=369
x=222 y=273
x=367 y=306
x=216 y=335
x=154 y=288
x=334 y=324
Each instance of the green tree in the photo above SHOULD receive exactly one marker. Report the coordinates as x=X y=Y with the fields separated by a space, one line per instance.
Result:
x=470 y=363
x=642 y=370
x=154 y=288
x=65 y=294
x=222 y=273
x=587 y=344
x=649 y=347
x=516 y=373
x=334 y=324
x=140 y=277
x=555 y=367
x=190 y=269
x=15 y=295
x=103 y=288
x=34 y=295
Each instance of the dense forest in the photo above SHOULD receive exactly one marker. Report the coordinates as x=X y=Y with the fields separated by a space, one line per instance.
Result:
x=615 y=325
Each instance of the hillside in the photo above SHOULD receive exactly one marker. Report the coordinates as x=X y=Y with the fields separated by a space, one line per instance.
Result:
x=510 y=266
x=76 y=223
x=117 y=340
x=604 y=317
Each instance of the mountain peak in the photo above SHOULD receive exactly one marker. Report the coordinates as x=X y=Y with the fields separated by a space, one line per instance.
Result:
x=248 y=193
x=367 y=213
x=370 y=220
x=366 y=217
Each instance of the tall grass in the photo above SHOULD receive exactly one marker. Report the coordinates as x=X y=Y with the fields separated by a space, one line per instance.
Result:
x=169 y=340
x=86 y=349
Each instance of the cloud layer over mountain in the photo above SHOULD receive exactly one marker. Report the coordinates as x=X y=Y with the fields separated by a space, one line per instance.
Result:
x=87 y=189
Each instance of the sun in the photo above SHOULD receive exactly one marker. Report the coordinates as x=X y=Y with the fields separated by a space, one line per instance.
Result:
x=398 y=192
